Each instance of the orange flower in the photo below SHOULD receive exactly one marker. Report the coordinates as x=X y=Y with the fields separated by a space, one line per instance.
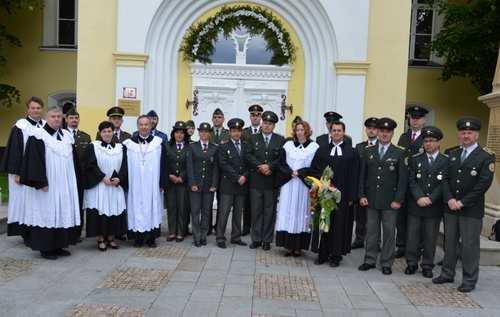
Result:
x=313 y=194
x=312 y=208
x=309 y=223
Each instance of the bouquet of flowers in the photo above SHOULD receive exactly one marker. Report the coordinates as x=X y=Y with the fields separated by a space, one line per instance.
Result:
x=324 y=197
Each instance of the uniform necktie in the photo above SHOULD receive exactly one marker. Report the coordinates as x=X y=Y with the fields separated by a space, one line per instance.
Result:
x=238 y=148
x=464 y=156
x=254 y=130
x=266 y=139
x=116 y=135
x=431 y=160
x=371 y=143
x=413 y=137
x=74 y=133
x=217 y=134
x=205 y=149
x=381 y=153
x=179 y=148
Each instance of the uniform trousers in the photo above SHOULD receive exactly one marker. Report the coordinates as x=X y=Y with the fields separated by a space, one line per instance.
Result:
x=226 y=202
x=429 y=228
x=201 y=205
x=388 y=219
x=177 y=209
x=263 y=203
x=360 y=218
x=468 y=230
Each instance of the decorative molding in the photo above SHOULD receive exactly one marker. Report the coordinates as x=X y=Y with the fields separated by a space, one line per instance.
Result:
x=352 y=67
x=232 y=71
x=130 y=59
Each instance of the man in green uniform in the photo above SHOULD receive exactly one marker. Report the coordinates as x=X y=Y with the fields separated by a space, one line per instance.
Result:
x=412 y=142
x=326 y=138
x=219 y=134
x=82 y=141
x=115 y=116
x=425 y=203
x=263 y=150
x=468 y=177
x=233 y=185
x=382 y=186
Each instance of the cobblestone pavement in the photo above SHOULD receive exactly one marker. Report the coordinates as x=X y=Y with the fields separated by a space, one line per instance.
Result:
x=178 y=279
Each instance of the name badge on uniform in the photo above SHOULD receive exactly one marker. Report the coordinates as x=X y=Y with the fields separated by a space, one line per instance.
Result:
x=419 y=175
x=440 y=177
x=421 y=150
x=212 y=159
x=453 y=158
x=391 y=167
x=473 y=172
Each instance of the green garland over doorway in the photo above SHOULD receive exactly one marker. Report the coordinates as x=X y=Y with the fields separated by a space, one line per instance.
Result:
x=200 y=39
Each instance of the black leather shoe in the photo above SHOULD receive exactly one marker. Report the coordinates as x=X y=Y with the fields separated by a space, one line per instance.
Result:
x=48 y=255
x=410 y=270
x=288 y=254
x=61 y=252
x=266 y=246
x=120 y=237
x=239 y=242
x=386 y=271
x=197 y=244
x=427 y=273
x=334 y=263
x=112 y=244
x=245 y=232
x=465 y=288
x=255 y=245
x=297 y=255
x=179 y=239
x=221 y=244
x=138 y=243
x=355 y=246
x=27 y=241
x=98 y=245
x=441 y=280
x=399 y=254
x=319 y=261
x=366 y=267
x=170 y=239
x=440 y=263
x=151 y=243
x=203 y=242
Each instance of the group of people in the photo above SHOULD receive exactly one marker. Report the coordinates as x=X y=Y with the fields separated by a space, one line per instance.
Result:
x=123 y=180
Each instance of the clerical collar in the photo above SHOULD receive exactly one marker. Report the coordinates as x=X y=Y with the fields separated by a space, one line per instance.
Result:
x=33 y=122
x=53 y=132
x=144 y=140
x=104 y=144
x=305 y=144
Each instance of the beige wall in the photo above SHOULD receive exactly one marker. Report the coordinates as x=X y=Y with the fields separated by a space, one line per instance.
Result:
x=31 y=71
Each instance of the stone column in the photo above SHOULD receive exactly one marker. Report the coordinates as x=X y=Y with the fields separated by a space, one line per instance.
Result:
x=492 y=210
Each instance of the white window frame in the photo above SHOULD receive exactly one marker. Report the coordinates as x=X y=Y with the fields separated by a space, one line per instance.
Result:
x=437 y=22
x=51 y=27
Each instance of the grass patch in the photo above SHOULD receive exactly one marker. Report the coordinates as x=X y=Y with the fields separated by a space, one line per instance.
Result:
x=4 y=185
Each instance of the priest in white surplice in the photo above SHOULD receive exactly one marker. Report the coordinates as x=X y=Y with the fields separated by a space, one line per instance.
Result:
x=48 y=171
x=147 y=176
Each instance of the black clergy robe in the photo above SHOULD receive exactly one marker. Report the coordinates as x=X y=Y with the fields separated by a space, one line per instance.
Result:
x=337 y=241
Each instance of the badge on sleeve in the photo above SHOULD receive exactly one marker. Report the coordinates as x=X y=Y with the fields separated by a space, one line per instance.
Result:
x=421 y=150
x=492 y=167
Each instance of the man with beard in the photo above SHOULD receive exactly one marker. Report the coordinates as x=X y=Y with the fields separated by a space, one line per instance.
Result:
x=344 y=162
x=326 y=138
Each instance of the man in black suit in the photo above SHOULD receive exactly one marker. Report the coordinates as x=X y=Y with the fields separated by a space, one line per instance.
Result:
x=469 y=175
x=233 y=185
x=326 y=138
x=263 y=150
x=360 y=211
x=425 y=204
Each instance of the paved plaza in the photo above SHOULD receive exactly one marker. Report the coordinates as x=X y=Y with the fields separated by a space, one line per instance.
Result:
x=178 y=279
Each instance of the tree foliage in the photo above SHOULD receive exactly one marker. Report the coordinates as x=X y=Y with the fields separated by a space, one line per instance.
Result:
x=9 y=93
x=468 y=41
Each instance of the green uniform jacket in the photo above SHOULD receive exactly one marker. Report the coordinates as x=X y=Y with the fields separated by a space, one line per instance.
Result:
x=360 y=147
x=468 y=181
x=247 y=132
x=202 y=170
x=232 y=166
x=257 y=154
x=177 y=162
x=82 y=141
x=417 y=147
x=383 y=181
x=224 y=136
x=123 y=136
x=323 y=140
x=425 y=181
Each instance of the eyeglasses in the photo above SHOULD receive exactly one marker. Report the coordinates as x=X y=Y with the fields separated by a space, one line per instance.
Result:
x=431 y=141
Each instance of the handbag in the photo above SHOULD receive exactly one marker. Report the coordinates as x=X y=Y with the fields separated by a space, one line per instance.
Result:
x=495 y=232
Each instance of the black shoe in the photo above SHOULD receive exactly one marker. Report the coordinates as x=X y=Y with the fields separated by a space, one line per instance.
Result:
x=197 y=244
x=441 y=280
x=239 y=242
x=319 y=261
x=287 y=254
x=203 y=242
x=255 y=245
x=151 y=243
x=98 y=245
x=138 y=243
x=410 y=269
x=427 y=273
x=334 y=263
x=440 y=263
x=266 y=246
x=355 y=246
x=48 y=255
x=465 y=288
x=169 y=239
x=61 y=252
x=366 y=267
x=112 y=244
x=27 y=241
x=179 y=239
x=297 y=255
x=399 y=254
x=386 y=271
x=221 y=244
x=120 y=237
x=245 y=232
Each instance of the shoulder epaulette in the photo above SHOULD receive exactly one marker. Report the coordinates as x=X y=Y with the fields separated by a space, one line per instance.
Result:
x=243 y=141
x=214 y=144
x=348 y=136
x=400 y=147
x=126 y=133
x=445 y=155
x=370 y=145
x=415 y=155
x=223 y=142
x=191 y=142
x=490 y=152
x=246 y=128
x=84 y=133
x=457 y=149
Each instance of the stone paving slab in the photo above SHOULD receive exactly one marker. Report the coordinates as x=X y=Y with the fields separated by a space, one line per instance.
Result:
x=131 y=278
x=163 y=251
x=276 y=257
x=429 y=294
x=283 y=287
x=10 y=268
x=83 y=310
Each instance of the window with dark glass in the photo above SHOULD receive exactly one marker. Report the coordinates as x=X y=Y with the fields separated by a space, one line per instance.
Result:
x=67 y=23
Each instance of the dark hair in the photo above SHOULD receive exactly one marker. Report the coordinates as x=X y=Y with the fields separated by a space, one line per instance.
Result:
x=143 y=116
x=35 y=99
x=338 y=123
x=172 y=137
x=106 y=124
x=307 y=129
